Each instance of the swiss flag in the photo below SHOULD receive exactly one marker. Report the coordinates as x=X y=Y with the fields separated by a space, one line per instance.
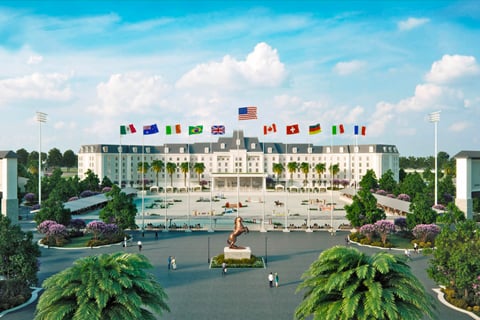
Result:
x=293 y=129
x=270 y=129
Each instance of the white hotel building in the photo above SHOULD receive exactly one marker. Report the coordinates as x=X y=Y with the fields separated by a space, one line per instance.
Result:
x=237 y=159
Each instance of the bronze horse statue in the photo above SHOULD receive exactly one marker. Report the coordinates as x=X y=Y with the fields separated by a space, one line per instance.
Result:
x=238 y=230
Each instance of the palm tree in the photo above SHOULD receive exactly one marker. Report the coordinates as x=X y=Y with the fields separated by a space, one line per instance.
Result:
x=278 y=169
x=305 y=168
x=171 y=167
x=142 y=168
x=184 y=167
x=345 y=283
x=334 y=170
x=107 y=286
x=320 y=168
x=157 y=166
x=292 y=167
x=199 y=168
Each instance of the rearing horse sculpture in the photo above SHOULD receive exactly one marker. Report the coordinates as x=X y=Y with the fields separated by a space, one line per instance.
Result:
x=238 y=230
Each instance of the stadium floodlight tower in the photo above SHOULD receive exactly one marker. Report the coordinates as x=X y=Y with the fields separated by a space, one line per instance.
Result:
x=435 y=118
x=41 y=118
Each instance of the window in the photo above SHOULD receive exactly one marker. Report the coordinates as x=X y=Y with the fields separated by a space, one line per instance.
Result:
x=165 y=150
x=252 y=145
x=206 y=150
x=370 y=149
x=222 y=146
x=147 y=149
x=269 y=150
x=341 y=149
x=294 y=150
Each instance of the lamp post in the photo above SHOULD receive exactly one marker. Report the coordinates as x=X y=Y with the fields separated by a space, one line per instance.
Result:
x=41 y=118
x=435 y=118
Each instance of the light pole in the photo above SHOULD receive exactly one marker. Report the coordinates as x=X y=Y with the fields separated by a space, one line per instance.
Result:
x=435 y=118
x=41 y=117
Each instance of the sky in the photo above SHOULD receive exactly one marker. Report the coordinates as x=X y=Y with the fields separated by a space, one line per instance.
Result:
x=92 y=66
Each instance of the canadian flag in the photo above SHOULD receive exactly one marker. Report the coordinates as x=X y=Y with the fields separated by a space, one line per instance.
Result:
x=270 y=129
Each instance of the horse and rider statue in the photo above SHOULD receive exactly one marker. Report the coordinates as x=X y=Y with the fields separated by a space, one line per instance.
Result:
x=237 y=231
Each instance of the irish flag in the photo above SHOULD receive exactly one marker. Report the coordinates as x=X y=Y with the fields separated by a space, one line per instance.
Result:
x=126 y=129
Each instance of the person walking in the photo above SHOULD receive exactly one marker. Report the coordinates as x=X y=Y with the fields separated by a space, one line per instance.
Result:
x=276 y=280
x=156 y=235
x=415 y=247
x=174 y=263
x=169 y=262
x=125 y=242
x=139 y=243
x=270 y=279
x=224 y=268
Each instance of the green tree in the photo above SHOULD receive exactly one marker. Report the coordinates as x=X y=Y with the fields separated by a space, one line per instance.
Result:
x=446 y=190
x=157 y=167
x=185 y=167
x=199 y=168
x=363 y=209
x=106 y=182
x=456 y=258
x=171 y=167
x=387 y=182
x=344 y=283
x=452 y=215
x=120 y=209
x=55 y=158
x=412 y=185
x=22 y=155
x=53 y=209
x=278 y=169
x=107 y=286
x=369 y=180
x=90 y=182
x=69 y=159
x=19 y=253
x=305 y=168
x=320 y=169
x=421 y=211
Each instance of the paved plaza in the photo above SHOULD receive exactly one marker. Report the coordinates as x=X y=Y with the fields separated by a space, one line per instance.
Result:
x=197 y=292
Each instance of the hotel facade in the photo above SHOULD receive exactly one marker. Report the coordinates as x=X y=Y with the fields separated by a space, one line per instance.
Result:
x=237 y=160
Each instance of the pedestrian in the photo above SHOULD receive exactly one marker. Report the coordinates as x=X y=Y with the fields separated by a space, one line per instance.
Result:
x=224 y=268
x=174 y=263
x=125 y=242
x=156 y=235
x=270 y=279
x=347 y=240
x=407 y=253
x=276 y=280
x=415 y=247
x=139 y=245
x=169 y=262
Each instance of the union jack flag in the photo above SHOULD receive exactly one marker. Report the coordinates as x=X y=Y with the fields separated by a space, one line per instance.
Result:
x=218 y=129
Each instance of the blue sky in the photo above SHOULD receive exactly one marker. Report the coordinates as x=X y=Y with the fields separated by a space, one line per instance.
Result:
x=95 y=65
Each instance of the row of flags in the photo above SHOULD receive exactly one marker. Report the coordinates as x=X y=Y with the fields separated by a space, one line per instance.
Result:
x=244 y=113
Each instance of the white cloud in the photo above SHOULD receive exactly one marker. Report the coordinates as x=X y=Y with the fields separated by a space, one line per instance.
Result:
x=381 y=118
x=411 y=23
x=345 y=68
x=35 y=59
x=52 y=86
x=262 y=67
x=459 y=126
x=429 y=96
x=452 y=67
x=130 y=92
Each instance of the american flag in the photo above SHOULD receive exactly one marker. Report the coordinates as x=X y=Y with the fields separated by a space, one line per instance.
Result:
x=218 y=130
x=247 y=113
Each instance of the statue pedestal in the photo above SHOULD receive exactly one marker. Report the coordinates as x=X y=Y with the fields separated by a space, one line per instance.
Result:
x=237 y=254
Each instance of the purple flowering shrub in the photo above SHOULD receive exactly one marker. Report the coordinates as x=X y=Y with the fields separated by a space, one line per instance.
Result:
x=476 y=290
x=106 y=189
x=391 y=195
x=368 y=230
x=426 y=232
x=401 y=223
x=384 y=228
x=439 y=207
x=36 y=206
x=88 y=193
x=45 y=226
x=102 y=230
x=381 y=192
x=77 y=224
x=403 y=197
x=29 y=198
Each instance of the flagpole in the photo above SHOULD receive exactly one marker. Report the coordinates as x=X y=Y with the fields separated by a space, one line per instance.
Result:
x=238 y=173
x=285 y=229
x=356 y=171
x=264 y=186
x=308 y=195
x=165 y=183
x=188 y=184
x=331 y=186
x=211 y=187
x=143 y=184
x=120 y=164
